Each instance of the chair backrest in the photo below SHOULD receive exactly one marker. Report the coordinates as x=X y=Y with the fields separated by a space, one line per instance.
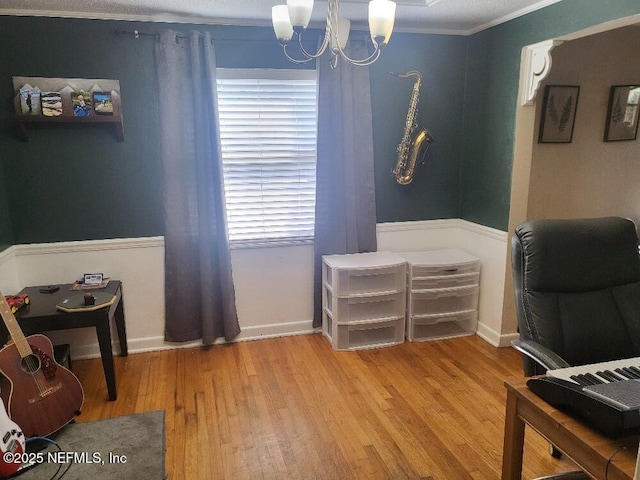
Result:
x=577 y=288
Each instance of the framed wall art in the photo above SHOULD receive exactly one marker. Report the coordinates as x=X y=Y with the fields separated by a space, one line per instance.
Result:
x=622 y=114
x=558 y=113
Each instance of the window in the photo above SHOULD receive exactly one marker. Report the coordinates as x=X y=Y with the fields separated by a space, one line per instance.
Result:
x=268 y=138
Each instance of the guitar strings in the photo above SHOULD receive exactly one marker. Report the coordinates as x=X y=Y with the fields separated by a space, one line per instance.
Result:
x=32 y=362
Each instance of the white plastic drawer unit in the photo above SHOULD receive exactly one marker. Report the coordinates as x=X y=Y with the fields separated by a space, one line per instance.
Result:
x=438 y=263
x=443 y=300
x=434 y=327
x=444 y=281
x=364 y=307
x=359 y=273
x=369 y=334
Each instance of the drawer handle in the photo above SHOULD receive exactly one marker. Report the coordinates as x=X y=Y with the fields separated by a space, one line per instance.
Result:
x=451 y=270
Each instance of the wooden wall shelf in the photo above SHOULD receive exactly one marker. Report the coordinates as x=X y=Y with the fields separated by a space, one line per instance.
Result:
x=63 y=96
x=114 y=120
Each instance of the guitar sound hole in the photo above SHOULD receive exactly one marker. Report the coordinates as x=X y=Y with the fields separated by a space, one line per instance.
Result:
x=30 y=364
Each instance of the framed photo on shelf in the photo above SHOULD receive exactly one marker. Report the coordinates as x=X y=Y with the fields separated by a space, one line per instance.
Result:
x=51 y=104
x=81 y=103
x=102 y=103
x=622 y=113
x=558 y=113
x=30 y=101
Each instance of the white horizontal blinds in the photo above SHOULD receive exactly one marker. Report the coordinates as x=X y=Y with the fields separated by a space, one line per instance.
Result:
x=268 y=137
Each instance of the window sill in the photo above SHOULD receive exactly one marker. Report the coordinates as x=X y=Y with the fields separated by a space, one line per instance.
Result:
x=269 y=244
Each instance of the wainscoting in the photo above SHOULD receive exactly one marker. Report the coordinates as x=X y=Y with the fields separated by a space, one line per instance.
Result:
x=273 y=285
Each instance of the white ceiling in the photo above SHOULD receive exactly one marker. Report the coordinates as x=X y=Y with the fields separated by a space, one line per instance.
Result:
x=447 y=16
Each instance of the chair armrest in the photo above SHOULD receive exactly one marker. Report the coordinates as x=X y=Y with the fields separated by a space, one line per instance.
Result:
x=540 y=354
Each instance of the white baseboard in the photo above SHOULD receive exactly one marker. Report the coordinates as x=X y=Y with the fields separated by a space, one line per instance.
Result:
x=158 y=343
x=494 y=338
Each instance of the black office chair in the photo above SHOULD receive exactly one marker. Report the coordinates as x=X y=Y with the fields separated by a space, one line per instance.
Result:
x=577 y=291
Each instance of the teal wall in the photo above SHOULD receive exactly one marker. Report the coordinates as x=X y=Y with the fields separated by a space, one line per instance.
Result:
x=434 y=192
x=76 y=182
x=491 y=99
x=6 y=231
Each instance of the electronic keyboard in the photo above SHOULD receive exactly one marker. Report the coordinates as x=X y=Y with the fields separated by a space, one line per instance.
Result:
x=605 y=395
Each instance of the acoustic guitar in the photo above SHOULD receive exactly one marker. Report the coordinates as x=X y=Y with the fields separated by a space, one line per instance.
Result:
x=40 y=394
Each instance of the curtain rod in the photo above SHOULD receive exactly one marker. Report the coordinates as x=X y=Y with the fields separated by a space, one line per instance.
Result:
x=137 y=34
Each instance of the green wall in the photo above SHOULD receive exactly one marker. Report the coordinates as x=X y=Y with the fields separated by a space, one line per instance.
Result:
x=76 y=182
x=491 y=99
x=434 y=192
x=6 y=231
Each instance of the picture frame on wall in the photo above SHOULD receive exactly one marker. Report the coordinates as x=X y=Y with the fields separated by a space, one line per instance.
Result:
x=622 y=113
x=558 y=117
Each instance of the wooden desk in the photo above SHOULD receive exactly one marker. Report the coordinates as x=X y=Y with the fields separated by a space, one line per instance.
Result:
x=41 y=315
x=601 y=457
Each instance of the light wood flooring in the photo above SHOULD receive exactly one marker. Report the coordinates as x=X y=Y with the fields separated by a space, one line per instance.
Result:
x=292 y=408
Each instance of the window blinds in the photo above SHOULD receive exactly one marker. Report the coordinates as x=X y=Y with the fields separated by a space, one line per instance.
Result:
x=268 y=139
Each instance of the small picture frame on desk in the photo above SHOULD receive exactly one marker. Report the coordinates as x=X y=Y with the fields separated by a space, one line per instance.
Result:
x=93 y=278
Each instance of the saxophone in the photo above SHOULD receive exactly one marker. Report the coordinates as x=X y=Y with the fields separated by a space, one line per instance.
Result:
x=415 y=141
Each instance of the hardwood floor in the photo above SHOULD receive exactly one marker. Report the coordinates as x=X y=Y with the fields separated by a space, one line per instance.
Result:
x=292 y=408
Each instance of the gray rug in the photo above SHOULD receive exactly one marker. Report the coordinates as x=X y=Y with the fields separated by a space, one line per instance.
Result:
x=131 y=447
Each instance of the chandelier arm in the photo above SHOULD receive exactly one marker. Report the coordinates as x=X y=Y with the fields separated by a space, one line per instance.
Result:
x=323 y=47
x=363 y=62
x=294 y=60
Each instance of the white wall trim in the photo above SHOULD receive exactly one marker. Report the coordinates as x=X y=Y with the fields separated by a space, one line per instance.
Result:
x=490 y=232
x=158 y=343
x=417 y=225
x=263 y=278
x=494 y=338
x=7 y=255
x=87 y=246
x=512 y=16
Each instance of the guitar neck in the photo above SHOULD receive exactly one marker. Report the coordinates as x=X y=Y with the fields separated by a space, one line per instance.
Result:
x=14 y=329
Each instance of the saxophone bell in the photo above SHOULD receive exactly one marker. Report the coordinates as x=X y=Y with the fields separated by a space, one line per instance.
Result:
x=420 y=143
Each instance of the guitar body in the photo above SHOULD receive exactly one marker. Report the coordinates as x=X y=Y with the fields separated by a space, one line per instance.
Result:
x=40 y=394
x=11 y=441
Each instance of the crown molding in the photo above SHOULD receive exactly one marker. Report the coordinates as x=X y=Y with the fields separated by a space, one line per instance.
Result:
x=196 y=20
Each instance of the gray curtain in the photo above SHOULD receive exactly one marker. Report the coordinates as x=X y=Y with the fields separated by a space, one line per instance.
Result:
x=345 y=188
x=199 y=292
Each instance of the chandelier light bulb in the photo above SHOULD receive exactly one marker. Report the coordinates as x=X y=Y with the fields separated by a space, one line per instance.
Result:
x=382 y=14
x=300 y=13
x=292 y=19
x=281 y=24
x=340 y=35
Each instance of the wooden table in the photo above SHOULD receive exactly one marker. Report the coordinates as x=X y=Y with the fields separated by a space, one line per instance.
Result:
x=41 y=315
x=599 y=456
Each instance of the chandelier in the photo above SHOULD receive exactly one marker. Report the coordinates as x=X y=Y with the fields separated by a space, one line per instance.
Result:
x=293 y=18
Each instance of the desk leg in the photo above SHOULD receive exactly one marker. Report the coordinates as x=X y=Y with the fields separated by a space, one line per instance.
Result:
x=121 y=327
x=513 y=440
x=104 y=340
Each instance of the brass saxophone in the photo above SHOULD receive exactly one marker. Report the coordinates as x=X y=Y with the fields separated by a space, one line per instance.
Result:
x=415 y=141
